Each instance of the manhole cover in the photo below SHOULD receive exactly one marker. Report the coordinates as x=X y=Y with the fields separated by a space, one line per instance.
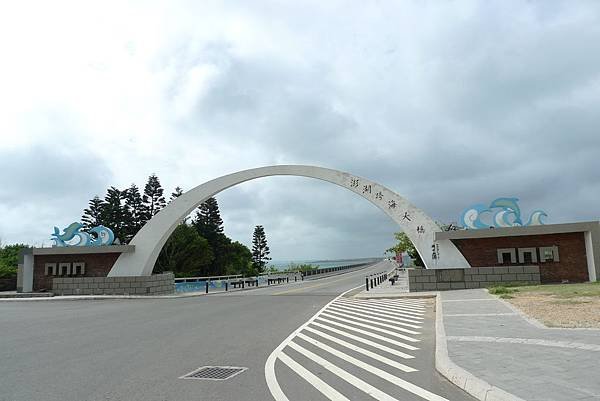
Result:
x=214 y=373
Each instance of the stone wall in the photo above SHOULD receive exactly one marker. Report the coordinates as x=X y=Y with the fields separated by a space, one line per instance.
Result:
x=158 y=284
x=571 y=247
x=475 y=277
x=96 y=265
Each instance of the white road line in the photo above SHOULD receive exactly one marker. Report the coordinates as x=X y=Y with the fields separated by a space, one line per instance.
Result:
x=341 y=373
x=360 y=350
x=380 y=306
x=386 y=317
x=360 y=318
x=416 y=315
x=368 y=333
x=413 y=309
x=391 y=302
x=396 y=305
x=362 y=340
x=270 y=377
x=317 y=383
x=389 y=308
x=370 y=316
x=388 y=302
x=410 y=319
x=368 y=326
x=421 y=392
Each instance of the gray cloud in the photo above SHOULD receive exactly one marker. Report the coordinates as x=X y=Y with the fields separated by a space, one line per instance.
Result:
x=447 y=104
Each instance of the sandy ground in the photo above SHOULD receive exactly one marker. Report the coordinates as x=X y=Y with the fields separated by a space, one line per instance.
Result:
x=559 y=312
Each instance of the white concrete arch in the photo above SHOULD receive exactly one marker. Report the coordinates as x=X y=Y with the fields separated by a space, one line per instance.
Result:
x=419 y=227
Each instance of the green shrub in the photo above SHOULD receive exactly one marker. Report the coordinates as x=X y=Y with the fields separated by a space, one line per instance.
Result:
x=500 y=289
x=7 y=271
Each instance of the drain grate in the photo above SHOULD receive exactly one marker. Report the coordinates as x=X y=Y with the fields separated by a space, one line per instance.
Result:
x=214 y=373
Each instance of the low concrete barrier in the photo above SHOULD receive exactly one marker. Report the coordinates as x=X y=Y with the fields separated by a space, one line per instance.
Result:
x=158 y=284
x=475 y=277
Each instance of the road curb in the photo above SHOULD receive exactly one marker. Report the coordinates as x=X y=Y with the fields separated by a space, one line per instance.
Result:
x=473 y=385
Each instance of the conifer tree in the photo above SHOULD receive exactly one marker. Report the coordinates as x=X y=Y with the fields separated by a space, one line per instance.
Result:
x=208 y=220
x=176 y=194
x=209 y=225
x=135 y=212
x=260 y=249
x=92 y=216
x=114 y=213
x=153 y=198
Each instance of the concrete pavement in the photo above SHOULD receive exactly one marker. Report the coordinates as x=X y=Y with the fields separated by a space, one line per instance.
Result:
x=490 y=339
x=137 y=349
x=361 y=349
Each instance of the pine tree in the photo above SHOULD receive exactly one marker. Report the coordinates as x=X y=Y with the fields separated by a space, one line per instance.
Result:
x=176 y=194
x=135 y=213
x=153 y=198
x=92 y=216
x=208 y=220
x=114 y=213
x=260 y=249
x=209 y=225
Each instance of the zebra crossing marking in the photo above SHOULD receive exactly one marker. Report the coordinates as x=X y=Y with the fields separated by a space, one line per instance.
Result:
x=390 y=312
x=307 y=375
x=363 y=340
x=360 y=350
x=413 y=315
x=412 y=323
x=373 y=320
x=393 y=318
x=384 y=331
x=368 y=333
x=364 y=322
x=341 y=373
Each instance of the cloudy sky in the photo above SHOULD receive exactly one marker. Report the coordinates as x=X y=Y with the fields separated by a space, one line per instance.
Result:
x=447 y=102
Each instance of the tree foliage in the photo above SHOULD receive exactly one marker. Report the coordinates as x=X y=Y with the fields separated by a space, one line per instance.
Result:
x=260 y=249
x=405 y=245
x=208 y=220
x=9 y=259
x=176 y=193
x=185 y=253
x=92 y=216
x=200 y=249
x=153 y=198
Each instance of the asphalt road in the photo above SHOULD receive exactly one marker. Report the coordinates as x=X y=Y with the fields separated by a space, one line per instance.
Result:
x=138 y=349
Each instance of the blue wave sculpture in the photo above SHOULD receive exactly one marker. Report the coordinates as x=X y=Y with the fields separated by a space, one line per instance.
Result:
x=471 y=217
x=508 y=204
x=506 y=213
x=104 y=236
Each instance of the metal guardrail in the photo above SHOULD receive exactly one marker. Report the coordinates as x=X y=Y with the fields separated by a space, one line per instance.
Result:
x=199 y=284
x=336 y=268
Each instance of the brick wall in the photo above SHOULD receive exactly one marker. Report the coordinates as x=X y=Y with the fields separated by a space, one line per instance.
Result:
x=475 y=277
x=572 y=266
x=96 y=265
x=158 y=284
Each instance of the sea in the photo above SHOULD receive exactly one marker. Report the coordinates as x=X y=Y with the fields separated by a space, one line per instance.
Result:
x=284 y=264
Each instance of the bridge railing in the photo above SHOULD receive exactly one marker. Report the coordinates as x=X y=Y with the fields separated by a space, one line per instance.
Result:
x=326 y=270
x=224 y=283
